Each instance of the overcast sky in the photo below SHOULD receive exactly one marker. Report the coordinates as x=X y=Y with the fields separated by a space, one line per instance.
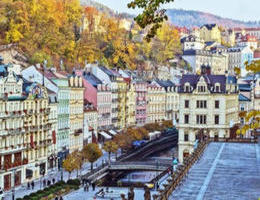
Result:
x=236 y=9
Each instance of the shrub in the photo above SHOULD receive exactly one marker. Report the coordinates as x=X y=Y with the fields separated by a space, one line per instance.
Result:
x=73 y=182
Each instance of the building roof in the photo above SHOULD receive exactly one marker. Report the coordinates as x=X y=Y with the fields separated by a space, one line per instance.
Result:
x=92 y=79
x=211 y=80
x=107 y=71
x=209 y=26
x=165 y=84
x=241 y=97
x=244 y=87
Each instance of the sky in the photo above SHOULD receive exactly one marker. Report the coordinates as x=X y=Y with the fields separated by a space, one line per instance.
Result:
x=235 y=9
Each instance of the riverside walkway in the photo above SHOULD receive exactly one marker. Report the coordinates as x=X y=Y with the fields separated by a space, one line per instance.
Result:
x=226 y=171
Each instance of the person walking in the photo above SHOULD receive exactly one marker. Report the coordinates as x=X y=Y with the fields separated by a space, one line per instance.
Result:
x=61 y=198
x=93 y=186
x=53 y=180
x=56 y=198
x=44 y=183
x=28 y=185
x=48 y=183
x=32 y=184
x=87 y=186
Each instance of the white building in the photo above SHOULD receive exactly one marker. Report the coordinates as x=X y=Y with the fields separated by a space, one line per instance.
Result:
x=192 y=42
x=208 y=108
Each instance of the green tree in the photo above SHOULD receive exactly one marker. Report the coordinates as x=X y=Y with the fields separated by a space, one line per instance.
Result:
x=92 y=153
x=110 y=147
x=152 y=15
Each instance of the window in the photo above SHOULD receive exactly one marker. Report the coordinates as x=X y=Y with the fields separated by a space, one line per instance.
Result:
x=216 y=119
x=186 y=104
x=186 y=137
x=201 y=119
x=201 y=88
x=242 y=107
x=186 y=119
x=217 y=104
x=217 y=88
x=201 y=104
x=187 y=88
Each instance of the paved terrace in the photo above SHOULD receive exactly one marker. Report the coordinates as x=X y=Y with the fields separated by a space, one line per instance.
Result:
x=226 y=171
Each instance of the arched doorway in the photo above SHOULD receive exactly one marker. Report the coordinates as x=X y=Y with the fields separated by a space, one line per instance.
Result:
x=186 y=153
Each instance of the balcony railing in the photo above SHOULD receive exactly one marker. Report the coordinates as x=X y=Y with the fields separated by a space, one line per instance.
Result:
x=78 y=132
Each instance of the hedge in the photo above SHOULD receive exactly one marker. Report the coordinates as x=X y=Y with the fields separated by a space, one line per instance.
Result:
x=72 y=184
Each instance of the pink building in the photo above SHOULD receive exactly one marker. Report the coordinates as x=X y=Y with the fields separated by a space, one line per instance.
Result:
x=100 y=96
x=141 y=102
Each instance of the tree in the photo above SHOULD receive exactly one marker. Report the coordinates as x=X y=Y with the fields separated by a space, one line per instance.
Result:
x=110 y=147
x=92 y=153
x=152 y=16
x=143 y=132
x=70 y=163
x=79 y=159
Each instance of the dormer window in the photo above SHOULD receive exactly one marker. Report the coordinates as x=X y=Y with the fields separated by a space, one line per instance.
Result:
x=187 y=87
x=217 y=87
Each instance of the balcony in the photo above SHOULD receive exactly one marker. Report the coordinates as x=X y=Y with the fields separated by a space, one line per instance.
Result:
x=78 y=132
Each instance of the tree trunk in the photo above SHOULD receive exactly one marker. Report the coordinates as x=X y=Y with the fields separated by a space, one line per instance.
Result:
x=69 y=175
x=91 y=167
x=109 y=157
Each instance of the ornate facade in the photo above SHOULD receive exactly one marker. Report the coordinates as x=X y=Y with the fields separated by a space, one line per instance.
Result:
x=208 y=108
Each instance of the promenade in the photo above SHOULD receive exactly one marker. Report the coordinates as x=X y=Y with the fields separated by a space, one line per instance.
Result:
x=226 y=171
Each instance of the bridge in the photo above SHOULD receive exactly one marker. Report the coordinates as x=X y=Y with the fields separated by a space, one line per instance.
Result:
x=130 y=162
x=144 y=166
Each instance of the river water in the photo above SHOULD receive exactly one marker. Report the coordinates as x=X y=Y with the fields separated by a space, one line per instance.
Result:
x=165 y=157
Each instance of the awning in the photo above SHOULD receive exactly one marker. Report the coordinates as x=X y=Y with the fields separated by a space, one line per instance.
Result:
x=105 y=135
x=112 y=132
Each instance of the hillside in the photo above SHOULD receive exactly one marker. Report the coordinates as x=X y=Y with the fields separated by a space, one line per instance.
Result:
x=180 y=17
x=102 y=8
x=191 y=18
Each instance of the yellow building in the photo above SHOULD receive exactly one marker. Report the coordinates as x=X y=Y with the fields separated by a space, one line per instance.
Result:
x=208 y=108
x=122 y=89
x=130 y=105
x=210 y=32
x=156 y=97
x=76 y=106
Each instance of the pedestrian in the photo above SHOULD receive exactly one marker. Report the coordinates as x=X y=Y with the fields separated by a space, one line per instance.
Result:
x=53 y=180
x=87 y=186
x=44 y=183
x=28 y=185
x=93 y=186
x=32 y=184
x=61 y=198
x=48 y=183
x=56 y=198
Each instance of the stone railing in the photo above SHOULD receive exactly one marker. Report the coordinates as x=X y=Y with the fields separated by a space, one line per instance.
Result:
x=181 y=172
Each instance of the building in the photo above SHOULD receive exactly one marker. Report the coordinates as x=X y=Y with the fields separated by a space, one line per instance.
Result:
x=237 y=56
x=90 y=122
x=122 y=89
x=130 y=105
x=253 y=32
x=110 y=78
x=172 y=100
x=248 y=41
x=210 y=32
x=25 y=138
x=228 y=37
x=58 y=84
x=141 y=101
x=53 y=119
x=76 y=106
x=156 y=98
x=192 y=42
x=217 y=61
x=208 y=107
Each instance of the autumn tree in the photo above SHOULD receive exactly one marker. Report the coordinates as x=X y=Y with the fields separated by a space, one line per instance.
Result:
x=110 y=147
x=71 y=163
x=92 y=153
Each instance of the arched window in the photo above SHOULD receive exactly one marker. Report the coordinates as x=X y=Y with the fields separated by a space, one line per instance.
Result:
x=187 y=87
x=217 y=87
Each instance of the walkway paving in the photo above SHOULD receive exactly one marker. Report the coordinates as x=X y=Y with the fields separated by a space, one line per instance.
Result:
x=226 y=171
